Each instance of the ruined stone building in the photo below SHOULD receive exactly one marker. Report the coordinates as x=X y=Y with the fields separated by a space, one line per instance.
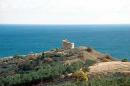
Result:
x=67 y=45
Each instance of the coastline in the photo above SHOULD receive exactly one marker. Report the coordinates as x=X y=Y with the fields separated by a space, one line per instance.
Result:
x=63 y=63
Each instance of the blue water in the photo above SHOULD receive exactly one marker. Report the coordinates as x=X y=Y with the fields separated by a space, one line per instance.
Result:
x=23 y=39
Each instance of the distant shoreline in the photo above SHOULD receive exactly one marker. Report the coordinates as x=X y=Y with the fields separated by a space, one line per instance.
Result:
x=12 y=56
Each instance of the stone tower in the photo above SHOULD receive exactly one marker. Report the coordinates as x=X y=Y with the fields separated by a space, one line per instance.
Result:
x=67 y=45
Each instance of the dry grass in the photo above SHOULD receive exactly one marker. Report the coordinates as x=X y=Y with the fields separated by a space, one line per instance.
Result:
x=104 y=68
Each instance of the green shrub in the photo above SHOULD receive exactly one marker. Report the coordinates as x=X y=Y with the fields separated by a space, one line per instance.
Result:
x=122 y=81
x=90 y=62
x=74 y=67
x=124 y=60
x=46 y=71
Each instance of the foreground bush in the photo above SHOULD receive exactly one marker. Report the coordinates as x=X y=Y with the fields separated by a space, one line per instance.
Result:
x=44 y=72
x=122 y=81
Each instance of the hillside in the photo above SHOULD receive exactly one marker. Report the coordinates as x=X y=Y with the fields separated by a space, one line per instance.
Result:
x=58 y=66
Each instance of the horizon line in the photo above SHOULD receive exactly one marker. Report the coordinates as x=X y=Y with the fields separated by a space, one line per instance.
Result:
x=64 y=24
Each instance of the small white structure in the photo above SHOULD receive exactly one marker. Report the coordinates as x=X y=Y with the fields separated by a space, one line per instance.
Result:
x=67 y=45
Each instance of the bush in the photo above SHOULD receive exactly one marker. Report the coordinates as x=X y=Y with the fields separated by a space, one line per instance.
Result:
x=74 y=67
x=80 y=75
x=124 y=60
x=89 y=49
x=44 y=72
x=122 y=81
x=24 y=67
x=90 y=62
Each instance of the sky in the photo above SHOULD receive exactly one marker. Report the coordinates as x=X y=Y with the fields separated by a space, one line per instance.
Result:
x=64 y=11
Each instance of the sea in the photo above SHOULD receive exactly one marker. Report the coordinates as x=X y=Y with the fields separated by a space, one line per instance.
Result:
x=25 y=39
